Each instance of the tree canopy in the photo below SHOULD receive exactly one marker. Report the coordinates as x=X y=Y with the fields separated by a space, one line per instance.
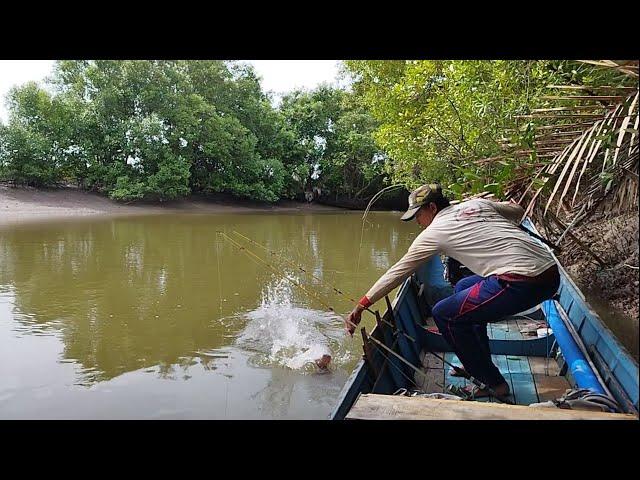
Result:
x=166 y=129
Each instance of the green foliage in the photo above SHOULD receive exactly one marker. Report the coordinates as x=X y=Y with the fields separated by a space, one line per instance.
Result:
x=38 y=147
x=163 y=129
x=438 y=117
x=336 y=150
x=150 y=130
x=24 y=156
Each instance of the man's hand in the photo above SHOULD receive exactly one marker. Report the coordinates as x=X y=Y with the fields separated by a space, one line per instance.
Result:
x=353 y=319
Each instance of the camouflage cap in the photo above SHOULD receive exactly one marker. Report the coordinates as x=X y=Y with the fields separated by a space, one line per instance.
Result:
x=421 y=196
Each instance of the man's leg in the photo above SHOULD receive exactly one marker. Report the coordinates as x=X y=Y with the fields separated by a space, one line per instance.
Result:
x=458 y=329
x=467 y=282
x=479 y=329
x=462 y=320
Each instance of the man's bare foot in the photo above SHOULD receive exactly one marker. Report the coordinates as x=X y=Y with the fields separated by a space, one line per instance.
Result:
x=502 y=390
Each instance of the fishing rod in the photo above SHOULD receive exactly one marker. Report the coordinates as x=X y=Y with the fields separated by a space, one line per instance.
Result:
x=458 y=370
x=335 y=289
x=276 y=271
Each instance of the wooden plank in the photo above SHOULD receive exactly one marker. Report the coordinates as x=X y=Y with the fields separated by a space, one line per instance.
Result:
x=505 y=330
x=526 y=324
x=538 y=364
x=524 y=388
x=434 y=381
x=498 y=332
x=449 y=379
x=397 y=407
x=550 y=388
x=431 y=361
x=522 y=382
x=518 y=364
x=512 y=329
x=500 y=361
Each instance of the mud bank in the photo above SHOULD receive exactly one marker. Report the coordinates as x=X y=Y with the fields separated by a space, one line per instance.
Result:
x=612 y=290
x=19 y=205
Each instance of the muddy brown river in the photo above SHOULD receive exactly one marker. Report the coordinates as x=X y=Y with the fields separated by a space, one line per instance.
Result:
x=160 y=317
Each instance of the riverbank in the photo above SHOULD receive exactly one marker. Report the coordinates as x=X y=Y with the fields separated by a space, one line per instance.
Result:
x=613 y=291
x=24 y=204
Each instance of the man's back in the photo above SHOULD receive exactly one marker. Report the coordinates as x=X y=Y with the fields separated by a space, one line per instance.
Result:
x=483 y=236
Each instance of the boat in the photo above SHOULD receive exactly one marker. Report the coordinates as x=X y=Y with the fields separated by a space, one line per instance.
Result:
x=557 y=348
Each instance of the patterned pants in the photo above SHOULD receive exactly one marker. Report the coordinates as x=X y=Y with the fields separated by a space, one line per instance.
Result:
x=462 y=318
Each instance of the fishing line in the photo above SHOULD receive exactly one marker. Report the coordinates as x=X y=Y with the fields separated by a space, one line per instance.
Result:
x=335 y=289
x=293 y=265
x=219 y=281
x=277 y=272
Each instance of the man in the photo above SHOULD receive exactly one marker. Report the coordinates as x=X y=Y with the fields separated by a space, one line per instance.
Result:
x=513 y=273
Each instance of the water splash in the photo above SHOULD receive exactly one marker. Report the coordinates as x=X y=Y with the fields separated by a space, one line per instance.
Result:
x=281 y=333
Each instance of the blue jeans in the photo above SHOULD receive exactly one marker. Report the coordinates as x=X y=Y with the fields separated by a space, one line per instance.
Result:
x=462 y=317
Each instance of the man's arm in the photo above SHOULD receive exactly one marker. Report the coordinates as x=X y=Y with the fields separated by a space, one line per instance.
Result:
x=418 y=253
x=424 y=247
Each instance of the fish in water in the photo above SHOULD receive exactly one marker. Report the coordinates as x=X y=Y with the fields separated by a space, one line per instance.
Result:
x=323 y=362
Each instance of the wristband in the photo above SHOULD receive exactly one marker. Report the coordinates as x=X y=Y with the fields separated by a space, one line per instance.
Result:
x=365 y=302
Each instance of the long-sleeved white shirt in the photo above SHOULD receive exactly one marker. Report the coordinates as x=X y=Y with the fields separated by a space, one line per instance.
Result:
x=481 y=234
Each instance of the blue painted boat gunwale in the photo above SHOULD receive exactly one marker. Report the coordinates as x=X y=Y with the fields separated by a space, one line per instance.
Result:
x=594 y=333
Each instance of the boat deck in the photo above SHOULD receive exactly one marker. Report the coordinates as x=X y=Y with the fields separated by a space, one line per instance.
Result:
x=532 y=379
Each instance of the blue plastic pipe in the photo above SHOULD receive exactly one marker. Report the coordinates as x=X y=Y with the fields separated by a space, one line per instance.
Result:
x=578 y=365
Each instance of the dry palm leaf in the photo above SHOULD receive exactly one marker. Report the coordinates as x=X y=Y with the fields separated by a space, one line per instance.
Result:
x=633 y=135
x=623 y=128
x=595 y=145
x=575 y=166
x=574 y=151
x=550 y=170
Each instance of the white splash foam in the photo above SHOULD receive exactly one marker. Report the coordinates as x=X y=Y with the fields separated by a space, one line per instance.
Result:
x=281 y=333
